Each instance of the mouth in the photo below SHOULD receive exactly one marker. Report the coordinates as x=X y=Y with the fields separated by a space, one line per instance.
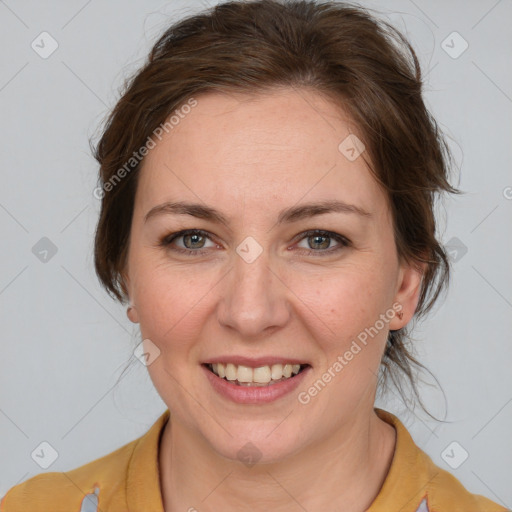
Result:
x=262 y=376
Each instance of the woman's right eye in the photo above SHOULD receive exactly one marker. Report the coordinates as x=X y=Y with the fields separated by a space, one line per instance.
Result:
x=192 y=239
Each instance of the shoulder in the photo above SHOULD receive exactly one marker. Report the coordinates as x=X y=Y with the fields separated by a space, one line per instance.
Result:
x=125 y=479
x=64 y=491
x=446 y=492
x=415 y=484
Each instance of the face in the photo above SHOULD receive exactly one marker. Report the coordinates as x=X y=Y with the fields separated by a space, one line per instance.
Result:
x=266 y=279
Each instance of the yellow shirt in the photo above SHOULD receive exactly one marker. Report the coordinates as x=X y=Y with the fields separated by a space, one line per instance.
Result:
x=128 y=480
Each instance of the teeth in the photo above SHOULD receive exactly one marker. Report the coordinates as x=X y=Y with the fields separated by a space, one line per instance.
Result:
x=277 y=371
x=230 y=371
x=264 y=375
x=244 y=374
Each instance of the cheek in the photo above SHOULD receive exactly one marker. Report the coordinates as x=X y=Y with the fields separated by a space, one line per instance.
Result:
x=343 y=316
x=169 y=299
x=345 y=301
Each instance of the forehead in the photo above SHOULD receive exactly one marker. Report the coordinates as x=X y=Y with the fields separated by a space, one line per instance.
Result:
x=277 y=146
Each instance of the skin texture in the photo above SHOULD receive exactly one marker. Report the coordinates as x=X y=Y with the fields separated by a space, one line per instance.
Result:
x=250 y=157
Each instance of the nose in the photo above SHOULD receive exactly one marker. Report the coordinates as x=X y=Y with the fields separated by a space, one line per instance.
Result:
x=254 y=299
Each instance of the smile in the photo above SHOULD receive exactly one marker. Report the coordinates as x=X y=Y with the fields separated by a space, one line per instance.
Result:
x=257 y=384
x=262 y=376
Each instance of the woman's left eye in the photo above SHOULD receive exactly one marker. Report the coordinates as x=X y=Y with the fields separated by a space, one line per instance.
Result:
x=318 y=239
x=193 y=240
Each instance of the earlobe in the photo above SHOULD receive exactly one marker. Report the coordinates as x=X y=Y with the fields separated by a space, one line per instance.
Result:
x=132 y=314
x=131 y=311
x=408 y=294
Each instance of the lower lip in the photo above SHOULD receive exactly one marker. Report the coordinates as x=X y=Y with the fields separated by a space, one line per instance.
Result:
x=254 y=394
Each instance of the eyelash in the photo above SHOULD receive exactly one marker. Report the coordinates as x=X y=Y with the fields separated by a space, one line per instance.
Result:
x=344 y=242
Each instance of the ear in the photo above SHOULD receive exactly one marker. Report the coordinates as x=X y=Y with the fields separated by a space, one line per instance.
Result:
x=408 y=293
x=132 y=314
x=131 y=311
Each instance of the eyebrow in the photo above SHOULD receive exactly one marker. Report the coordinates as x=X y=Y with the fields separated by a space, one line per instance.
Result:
x=289 y=215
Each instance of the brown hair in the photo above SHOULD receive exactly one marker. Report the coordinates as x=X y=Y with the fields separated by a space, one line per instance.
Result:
x=361 y=63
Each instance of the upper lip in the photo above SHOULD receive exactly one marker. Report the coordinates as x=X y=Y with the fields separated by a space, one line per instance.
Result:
x=255 y=362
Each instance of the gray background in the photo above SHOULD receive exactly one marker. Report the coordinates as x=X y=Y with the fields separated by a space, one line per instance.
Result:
x=65 y=343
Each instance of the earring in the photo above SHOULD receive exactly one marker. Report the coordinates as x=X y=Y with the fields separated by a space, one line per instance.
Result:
x=400 y=315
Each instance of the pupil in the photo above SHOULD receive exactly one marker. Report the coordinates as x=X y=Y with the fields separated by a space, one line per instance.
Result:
x=319 y=237
x=194 y=238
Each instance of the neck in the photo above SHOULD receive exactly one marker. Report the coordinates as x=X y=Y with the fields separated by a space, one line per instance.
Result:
x=344 y=471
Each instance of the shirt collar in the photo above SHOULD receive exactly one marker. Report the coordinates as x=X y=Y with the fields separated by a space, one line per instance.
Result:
x=404 y=487
x=410 y=472
x=143 y=482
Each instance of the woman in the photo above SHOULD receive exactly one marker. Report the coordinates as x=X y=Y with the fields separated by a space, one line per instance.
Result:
x=267 y=182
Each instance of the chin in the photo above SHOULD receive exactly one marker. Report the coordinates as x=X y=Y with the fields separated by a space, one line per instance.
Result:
x=260 y=443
